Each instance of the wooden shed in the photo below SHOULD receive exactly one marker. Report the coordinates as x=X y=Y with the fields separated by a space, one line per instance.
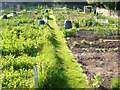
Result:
x=87 y=9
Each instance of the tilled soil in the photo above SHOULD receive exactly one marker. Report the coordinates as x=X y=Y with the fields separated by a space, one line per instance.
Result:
x=99 y=57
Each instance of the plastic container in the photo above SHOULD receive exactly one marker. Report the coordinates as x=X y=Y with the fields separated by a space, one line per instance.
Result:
x=67 y=24
x=14 y=13
x=5 y=16
x=41 y=22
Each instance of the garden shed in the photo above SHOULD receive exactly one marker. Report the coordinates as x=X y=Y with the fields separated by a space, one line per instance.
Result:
x=87 y=9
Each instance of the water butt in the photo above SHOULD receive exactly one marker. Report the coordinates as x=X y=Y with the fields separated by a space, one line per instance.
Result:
x=41 y=22
x=46 y=11
x=5 y=16
x=67 y=24
x=14 y=13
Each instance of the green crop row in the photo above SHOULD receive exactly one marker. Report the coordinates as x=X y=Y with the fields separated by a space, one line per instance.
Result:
x=26 y=45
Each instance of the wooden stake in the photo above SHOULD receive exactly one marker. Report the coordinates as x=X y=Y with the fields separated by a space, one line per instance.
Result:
x=36 y=76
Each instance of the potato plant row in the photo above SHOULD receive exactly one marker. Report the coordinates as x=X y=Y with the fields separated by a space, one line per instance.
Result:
x=24 y=45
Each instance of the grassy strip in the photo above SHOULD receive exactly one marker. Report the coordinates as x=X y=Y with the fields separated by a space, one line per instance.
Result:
x=65 y=72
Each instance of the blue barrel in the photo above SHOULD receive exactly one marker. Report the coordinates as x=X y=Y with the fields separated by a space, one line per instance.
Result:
x=14 y=13
x=41 y=22
x=5 y=16
x=67 y=24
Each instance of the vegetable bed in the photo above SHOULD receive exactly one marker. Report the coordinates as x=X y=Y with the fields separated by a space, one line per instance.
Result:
x=24 y=45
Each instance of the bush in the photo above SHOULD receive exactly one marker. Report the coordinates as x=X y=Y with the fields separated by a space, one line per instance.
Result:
x=115 y=83
x=89 y=22
x=110 y=19
x=69 y=32
x=76 y=24
x=46 y=15
x=60 y=17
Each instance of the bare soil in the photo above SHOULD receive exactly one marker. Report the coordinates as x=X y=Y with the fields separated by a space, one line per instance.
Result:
x=97 y=57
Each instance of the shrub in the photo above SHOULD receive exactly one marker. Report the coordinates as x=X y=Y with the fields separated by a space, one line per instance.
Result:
x=46 y=15
x=69 y=32
x=115 y=83
x=60 y=17
x=110 y=19
x=76 y=24
x=89 y=22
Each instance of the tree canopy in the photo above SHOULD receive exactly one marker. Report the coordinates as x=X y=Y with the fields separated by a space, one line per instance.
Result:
x=107 y=5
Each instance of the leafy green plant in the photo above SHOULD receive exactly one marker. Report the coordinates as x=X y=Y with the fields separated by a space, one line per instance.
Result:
x=97 y=80
x=75 y=43
x=46 y=15
x=88 y=22
x=76 y=24
x=91 y=43
x=101 y=41
x=60 y=17
x=69 y=32
x=84 y=41
x=115 y=83
x=110 y=19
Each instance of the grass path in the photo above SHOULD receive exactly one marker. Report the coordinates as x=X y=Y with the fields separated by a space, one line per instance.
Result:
x=66 y=71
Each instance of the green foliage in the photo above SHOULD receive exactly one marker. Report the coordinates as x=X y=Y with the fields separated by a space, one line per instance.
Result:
x=46 y=15
x=76 y=24
x=115 y=83
x=88 y=22
x=69 y=32
x=75 y=43
x=97 y=81
x=25 y=45
x=60 y=17
x=91 y=43
x=107 y=4
x=102 y=41
x=110 y=19
x=84 y=41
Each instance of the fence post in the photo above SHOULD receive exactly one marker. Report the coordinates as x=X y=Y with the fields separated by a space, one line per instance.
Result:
x=36 y=76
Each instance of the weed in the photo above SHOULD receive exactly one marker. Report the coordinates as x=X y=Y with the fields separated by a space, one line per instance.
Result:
x=75 y=43
x=97 y=81
x=115 y=83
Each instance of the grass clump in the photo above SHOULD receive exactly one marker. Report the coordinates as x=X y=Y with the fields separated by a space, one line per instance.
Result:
x=115 y=83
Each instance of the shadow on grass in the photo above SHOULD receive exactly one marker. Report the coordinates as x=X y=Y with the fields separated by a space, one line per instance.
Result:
x=50 y=26
x=50 y=18
x=56 y=77
x=53 y=40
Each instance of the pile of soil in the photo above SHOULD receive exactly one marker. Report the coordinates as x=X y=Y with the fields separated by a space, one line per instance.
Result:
x=93 y=61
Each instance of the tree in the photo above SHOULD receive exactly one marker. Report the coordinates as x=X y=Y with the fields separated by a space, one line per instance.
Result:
x=107 y=4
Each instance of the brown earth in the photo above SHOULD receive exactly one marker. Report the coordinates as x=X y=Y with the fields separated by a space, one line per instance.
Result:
x=99 y=57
